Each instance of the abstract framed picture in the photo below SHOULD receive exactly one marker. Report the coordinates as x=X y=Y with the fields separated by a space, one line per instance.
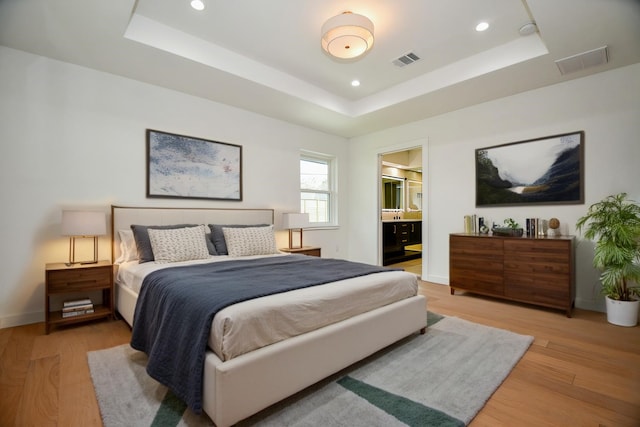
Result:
x=181 y=166
x=547 y=170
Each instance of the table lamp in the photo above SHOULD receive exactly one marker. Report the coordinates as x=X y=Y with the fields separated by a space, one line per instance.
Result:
x=295 y=221
x=84 y=224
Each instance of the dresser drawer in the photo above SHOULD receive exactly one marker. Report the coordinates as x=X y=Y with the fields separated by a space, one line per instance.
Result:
x=476 y=247
x=79 y=279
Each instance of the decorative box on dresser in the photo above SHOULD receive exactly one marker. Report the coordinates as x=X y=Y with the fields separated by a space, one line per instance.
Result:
x=534 y=270
x=78 y=279
x=305 y=250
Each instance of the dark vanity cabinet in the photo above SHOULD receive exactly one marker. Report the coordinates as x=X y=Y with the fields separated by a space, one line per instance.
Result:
x=397 y=239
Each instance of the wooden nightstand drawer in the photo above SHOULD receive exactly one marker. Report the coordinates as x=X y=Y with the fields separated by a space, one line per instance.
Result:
x=79 y=279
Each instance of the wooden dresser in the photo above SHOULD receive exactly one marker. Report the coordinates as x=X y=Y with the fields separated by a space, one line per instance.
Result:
x=532 y=270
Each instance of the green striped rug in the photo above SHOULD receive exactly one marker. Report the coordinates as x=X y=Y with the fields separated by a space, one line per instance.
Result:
x=442 y=378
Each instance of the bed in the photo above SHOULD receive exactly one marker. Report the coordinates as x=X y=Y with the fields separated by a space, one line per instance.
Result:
x=241 y=379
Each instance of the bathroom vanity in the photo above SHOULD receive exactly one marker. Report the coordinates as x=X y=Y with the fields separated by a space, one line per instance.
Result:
x=401 y=240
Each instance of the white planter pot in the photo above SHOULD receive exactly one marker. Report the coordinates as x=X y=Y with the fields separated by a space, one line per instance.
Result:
x=622 y=313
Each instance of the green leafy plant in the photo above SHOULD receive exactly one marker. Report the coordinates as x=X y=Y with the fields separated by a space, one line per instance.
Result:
x=614 y=224
x=511 y=223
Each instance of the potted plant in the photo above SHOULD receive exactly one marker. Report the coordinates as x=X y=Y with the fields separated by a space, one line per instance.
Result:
x=614 y=224
x=511 y=228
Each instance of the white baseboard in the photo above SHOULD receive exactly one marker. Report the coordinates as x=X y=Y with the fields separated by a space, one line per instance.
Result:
x=591 y=304
x=21 y=319
x=440 y=280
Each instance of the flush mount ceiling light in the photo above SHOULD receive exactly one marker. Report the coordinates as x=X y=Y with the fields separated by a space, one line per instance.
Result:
x=347 y=36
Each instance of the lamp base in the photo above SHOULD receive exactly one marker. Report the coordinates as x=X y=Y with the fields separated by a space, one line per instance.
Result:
x=72 y=252
x=69 y=264
x=291 y=239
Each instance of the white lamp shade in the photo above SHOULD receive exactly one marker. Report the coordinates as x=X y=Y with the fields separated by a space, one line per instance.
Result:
x=295 y=220
x=84 y=223
x=347 y=36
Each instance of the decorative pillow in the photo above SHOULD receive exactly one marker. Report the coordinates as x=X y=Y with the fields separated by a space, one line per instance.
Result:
x=128 y=250
x=141 y=236
x=217 y=236
x=250 y=241
x=178 y=244
x=208 y=237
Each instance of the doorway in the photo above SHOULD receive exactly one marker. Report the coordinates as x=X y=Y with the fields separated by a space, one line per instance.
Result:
x=401 y=206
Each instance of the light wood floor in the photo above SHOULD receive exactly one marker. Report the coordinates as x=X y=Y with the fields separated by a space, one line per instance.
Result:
x=412 y=266
x=578 y=372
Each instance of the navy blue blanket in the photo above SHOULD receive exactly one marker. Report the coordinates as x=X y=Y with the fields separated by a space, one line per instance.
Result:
x=176 y=305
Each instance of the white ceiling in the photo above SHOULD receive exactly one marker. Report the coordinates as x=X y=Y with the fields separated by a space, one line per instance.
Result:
x=265 y=55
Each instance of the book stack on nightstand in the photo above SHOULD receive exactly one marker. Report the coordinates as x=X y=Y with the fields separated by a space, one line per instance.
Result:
x=77 y=307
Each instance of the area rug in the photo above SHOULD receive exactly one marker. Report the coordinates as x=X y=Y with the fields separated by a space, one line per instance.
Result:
x=441 y=378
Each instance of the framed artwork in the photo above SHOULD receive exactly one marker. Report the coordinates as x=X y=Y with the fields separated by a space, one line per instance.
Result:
x=181 y=166
x=547 y=170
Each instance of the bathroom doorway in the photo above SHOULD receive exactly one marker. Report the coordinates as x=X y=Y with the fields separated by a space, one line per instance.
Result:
x=401 y=206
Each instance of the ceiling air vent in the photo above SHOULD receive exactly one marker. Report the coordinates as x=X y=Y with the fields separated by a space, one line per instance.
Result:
x=583 y=60
x=407 y=59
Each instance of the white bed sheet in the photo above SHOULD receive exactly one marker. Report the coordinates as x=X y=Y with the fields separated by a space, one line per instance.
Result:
x=252 y=324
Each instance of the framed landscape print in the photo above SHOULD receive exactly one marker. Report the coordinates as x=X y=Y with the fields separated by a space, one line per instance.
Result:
x=181 y=166
x=547 y=170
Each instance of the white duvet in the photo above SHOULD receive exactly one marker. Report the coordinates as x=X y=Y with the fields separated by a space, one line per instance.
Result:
x=252 y=324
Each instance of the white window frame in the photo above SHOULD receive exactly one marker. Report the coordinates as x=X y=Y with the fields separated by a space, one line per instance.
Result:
x=332 y=192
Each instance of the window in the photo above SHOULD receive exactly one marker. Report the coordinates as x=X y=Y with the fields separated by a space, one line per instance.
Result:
x=317 y=189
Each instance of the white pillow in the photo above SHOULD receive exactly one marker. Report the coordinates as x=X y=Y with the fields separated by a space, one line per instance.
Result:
x=250 y=241
x=128 y=249
x=178 y=244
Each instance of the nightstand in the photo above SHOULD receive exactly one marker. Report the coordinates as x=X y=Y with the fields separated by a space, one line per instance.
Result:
x=75 y=279
x=305 y=250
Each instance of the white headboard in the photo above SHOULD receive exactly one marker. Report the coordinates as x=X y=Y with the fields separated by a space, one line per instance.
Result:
x=123 y=216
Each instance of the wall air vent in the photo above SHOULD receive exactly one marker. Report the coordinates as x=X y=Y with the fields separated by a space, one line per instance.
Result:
x=583 y=60
x=407 y=59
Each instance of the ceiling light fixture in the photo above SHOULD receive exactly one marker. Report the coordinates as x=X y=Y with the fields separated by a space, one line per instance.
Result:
x=197 y=4
x=347 y=36
x=528 y=29
x=355 y=83
x=482 y=26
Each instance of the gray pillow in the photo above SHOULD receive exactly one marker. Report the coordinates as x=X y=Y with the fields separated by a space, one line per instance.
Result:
x=141 y=236
x=217 y=236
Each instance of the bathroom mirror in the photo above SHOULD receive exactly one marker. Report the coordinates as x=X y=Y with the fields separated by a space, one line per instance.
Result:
x=392 y=193
x=414 y=195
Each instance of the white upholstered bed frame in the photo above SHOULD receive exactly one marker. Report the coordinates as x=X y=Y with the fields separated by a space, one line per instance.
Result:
x=240 y=387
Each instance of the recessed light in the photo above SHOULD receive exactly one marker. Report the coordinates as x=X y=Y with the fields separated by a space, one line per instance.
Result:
x=197 y=4
x=355 y=83
x=482 y=26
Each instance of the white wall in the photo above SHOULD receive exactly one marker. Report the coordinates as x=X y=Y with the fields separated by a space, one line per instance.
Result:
x=606 y=106
x=75 y=137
